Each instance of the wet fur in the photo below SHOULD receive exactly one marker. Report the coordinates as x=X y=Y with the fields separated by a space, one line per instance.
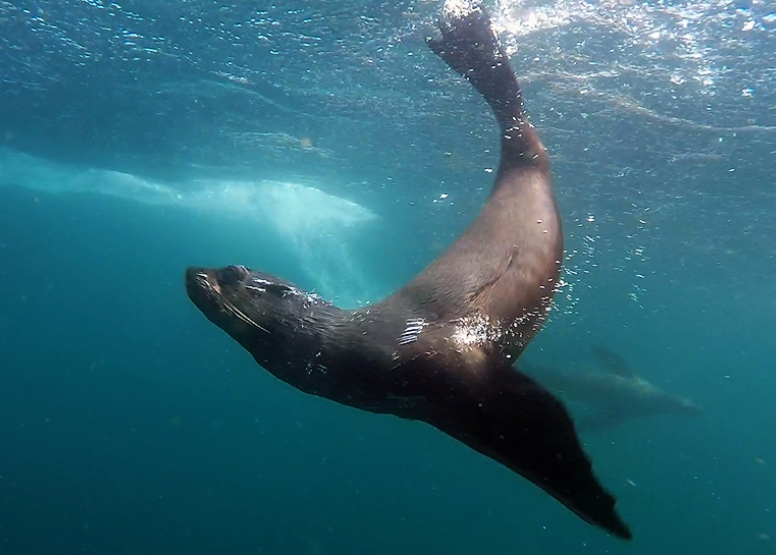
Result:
x=440 y=349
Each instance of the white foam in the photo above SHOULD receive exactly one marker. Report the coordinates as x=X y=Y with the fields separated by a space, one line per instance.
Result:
x=459 y=8
x=315 y=223
x=23 y=170
x=694 y=38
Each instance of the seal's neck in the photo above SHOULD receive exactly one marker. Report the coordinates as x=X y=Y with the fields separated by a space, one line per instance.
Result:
x=294 y=344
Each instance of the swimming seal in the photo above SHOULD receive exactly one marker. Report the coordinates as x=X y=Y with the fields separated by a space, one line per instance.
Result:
x=611 y=397
x=440 y=349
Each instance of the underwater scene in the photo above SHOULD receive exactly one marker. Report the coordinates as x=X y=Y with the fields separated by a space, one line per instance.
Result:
x=335 y=151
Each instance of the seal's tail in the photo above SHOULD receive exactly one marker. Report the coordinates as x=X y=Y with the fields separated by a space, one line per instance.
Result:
x=469 y=46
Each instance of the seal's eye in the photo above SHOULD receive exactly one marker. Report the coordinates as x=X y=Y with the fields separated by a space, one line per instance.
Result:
x=231 y=275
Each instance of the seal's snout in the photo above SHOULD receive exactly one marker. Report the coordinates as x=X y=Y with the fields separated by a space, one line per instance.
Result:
x=201 y=286
x=197 y=277
x=206 y=286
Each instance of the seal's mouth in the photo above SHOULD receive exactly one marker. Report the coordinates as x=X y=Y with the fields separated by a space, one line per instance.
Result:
x=211 y=284
x=202 y=287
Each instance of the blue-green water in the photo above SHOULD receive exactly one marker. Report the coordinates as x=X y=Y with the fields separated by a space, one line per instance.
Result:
x=327 y=145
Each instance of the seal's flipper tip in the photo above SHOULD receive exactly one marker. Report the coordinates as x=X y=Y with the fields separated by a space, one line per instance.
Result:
x=468 y=44
x=465 y=40
x=547 y=450
x=520 y=424
x=620 y=529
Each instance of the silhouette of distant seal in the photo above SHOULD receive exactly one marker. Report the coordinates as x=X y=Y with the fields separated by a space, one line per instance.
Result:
x=611 y=397
x=440 y=349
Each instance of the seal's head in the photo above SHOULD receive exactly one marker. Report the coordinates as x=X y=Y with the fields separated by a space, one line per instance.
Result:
x=259 y=311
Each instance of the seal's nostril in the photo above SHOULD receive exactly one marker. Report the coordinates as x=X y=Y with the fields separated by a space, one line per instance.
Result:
x=231 y=275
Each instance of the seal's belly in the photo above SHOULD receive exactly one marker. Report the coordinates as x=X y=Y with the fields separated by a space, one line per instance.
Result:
x=366 y=393
x=385 y=377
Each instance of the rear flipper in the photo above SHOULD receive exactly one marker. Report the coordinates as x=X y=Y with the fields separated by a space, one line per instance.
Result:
x=471 y=48
x=515 y=421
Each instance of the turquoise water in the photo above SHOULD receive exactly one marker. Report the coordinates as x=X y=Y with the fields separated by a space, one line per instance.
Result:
x=329 y=146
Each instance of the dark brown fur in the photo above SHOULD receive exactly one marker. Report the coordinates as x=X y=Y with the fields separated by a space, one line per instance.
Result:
x=440 y=349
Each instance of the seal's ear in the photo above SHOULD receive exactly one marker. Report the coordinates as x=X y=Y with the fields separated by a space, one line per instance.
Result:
x=515 y=421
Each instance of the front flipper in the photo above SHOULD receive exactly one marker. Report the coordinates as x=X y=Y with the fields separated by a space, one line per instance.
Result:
x=515 y=421
x=468 y=44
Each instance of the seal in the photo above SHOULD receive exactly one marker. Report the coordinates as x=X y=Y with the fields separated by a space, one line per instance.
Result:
x=440 y=349
x=611 y=397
